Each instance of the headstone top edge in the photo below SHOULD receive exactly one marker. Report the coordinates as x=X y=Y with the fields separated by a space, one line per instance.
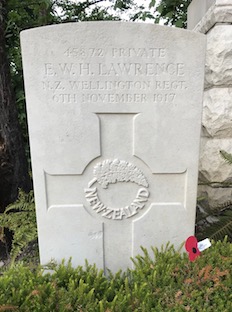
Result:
x=92 y=24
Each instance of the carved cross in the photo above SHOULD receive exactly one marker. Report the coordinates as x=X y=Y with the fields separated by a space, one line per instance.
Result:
x=116 y=189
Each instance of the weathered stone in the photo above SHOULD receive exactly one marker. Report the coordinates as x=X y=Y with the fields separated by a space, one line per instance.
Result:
x=212 y=167
x=215 y=21
x=218 y=71
x=202 y=17
x=216 y=196
x=217 y=113
x=197 y=10
x=114 y=114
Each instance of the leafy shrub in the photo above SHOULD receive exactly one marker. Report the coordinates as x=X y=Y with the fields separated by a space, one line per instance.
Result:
x=162 y=281
x=20 y=219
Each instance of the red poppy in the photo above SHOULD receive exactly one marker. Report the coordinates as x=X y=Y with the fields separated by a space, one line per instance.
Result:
x=192 y=248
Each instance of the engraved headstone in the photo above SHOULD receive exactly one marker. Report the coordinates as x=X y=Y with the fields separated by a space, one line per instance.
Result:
x=114 y=112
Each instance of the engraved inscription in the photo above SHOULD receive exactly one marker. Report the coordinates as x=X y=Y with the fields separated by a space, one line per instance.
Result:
x=114 y=75
x=139 y=69
x=74 y=52
x=164 y=98
x=98 y=97
x=79 y=52
x=138 y=203
x=109 y=85
x=139 y=52
x=113 y=171
x=115 y=69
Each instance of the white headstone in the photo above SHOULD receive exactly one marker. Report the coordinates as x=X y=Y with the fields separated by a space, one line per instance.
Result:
x=114 y=112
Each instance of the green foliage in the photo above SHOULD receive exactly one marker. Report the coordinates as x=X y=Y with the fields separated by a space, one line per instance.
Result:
x=20 y=218
x=24 y=14
x=160 y=281
x=21 y=15
x=223 y=227
x=226 y=156
x=171 y=12
x=215 y=223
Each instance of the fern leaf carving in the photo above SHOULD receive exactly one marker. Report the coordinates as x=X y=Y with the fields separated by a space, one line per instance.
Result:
x=112 y=171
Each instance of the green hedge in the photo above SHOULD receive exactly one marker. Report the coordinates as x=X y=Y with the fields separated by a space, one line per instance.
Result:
x=167 y=281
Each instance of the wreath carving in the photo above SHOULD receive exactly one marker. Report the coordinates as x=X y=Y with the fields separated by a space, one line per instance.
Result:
x=113 y=171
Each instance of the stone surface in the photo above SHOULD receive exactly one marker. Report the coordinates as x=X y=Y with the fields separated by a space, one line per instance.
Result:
x=218 y=70
x=204 y=14
x=212 y=167
x=114 y=114
x=216 y=196
x=215 y=21
x=217 y=113
x=197 y=10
